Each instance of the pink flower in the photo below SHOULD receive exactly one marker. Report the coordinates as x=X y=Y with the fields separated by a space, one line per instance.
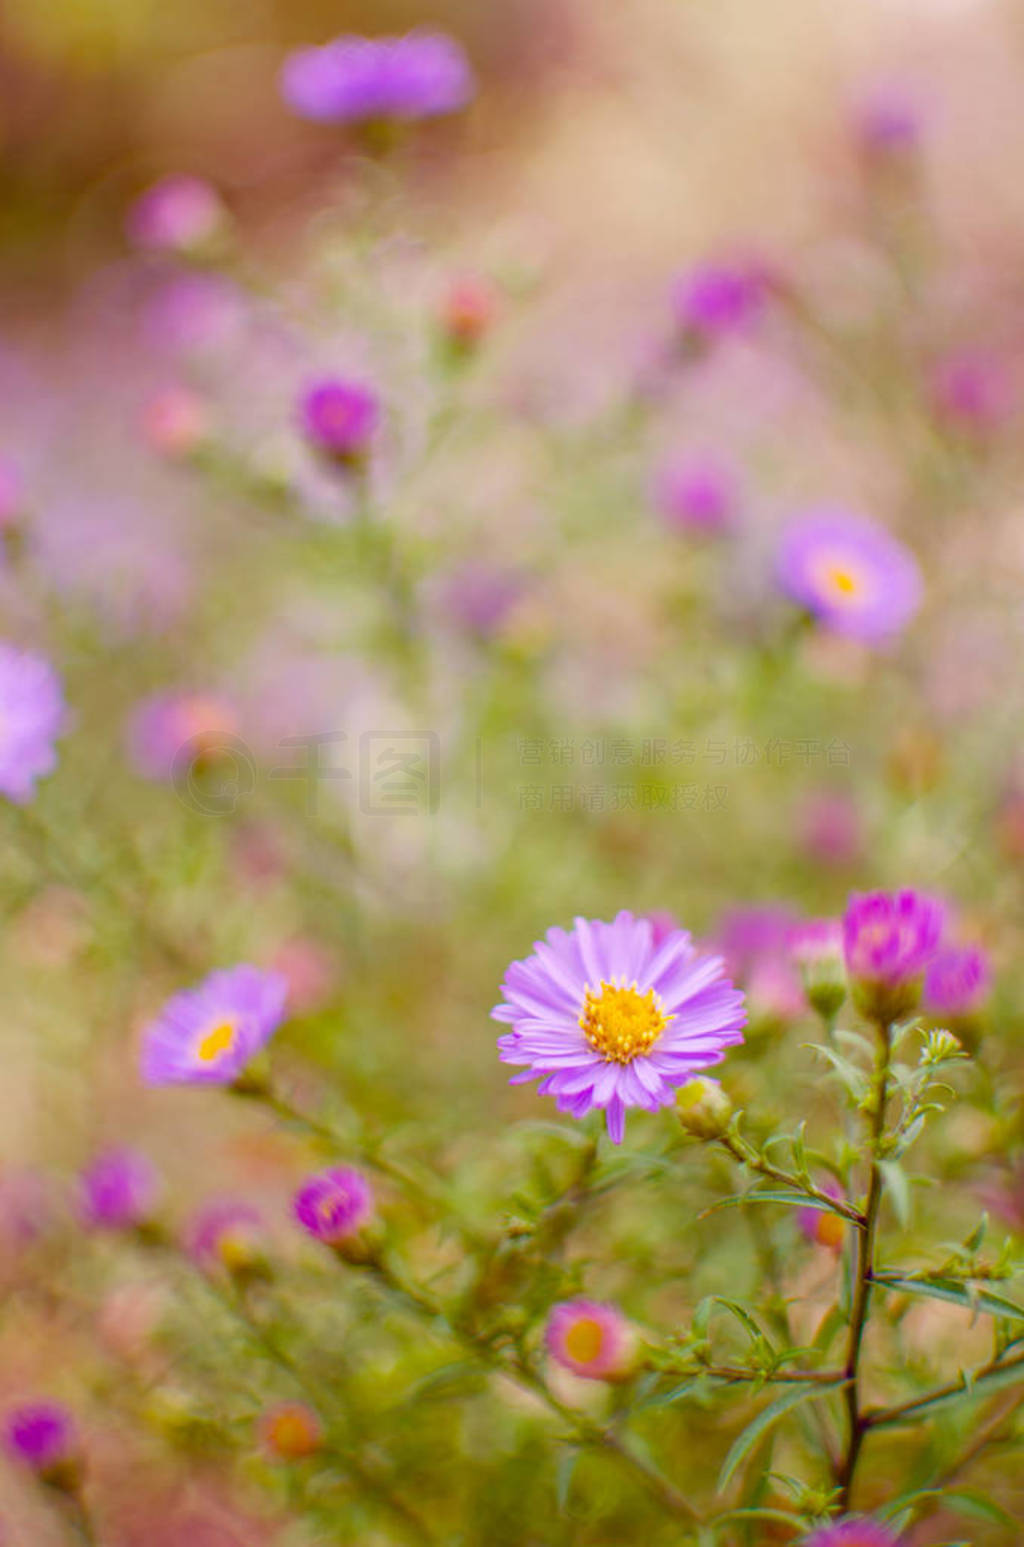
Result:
x=592 y=1340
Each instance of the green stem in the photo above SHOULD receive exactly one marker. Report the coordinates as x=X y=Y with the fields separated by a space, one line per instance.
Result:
x=863 y=1271
x=747 y=1156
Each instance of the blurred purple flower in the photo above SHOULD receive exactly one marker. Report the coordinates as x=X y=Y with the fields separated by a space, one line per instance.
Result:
x=12 y=493
x=479 y=597
x=888 y=122
x=227 y=1235
x=696 y=494
x=360 y=80
x=889 y=939
x=718 y=298
x=851 y=574
x=194 y=314
x=206 y=1035
x=32 y=716
x=340 y=419
x=176 y=723
x=334 y=1205
x=830 y=827
x=40 y=1435
x=177 y=214
x=972 y=391
x=957 y=981
x=607 y=1020
x=118 y=1191
x=853 y=1531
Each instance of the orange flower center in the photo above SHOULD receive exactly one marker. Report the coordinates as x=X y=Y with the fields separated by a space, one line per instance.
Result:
x=217 y=1041
x=621 y=1023
x=583 y=1340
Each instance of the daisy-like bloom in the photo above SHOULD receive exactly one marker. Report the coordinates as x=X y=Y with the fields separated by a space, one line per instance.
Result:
x=850 y=574
x=174 y=724
x=32 y=716
x=889 y=939
x=290 y=1431
x=227 y=1236
x=592 y=1340
x=340 y=419
x=118 y=1191
x=853 y=1531
x=42 y=1436
x=178 y=214
x=957 y=981
x=355 y=80
x=206 y=1035
x=605 y=1019
x=334 y=1205
x=696 y=495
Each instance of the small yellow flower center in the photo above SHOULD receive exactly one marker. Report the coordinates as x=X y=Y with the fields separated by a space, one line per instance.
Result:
x=216 y=1041
x=845 y=583
x=621 y=1023
x=583 y=1340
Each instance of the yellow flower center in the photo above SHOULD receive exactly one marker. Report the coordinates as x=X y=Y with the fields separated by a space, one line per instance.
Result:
x=216 y=1041
x=621 y=1023
x=583 y=1340
x=845 y=583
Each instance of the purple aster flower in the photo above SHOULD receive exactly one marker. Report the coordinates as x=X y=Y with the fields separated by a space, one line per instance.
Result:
x=853 y=1531
x=365 y=80
x=718 y=298
x=957 y=981
x=32 y=716
x=607 y=1020
x=696 y=495
x=851 y=574
x=340 y=419
x=889 y=939
x=206 y=1035
x=41 y=1435
x=334 y=1205
x=227 y=1235
x=118 y=1191
x=194 y=314
x=592 y=1340
x=178 y=214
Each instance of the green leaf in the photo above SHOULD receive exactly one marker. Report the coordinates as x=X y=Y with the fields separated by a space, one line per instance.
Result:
x=563 y=1477
x=766 y=1418
x=898 y=1189
x=970 y=1296
x=796 y=1200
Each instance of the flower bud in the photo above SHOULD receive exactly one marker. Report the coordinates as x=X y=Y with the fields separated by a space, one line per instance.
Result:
x=703 y=1107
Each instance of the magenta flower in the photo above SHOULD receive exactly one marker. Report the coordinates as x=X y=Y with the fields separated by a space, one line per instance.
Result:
x=32 y=716
x=848 y=572
x=830 y=827
x=480 y=598
x=718 y=298
x=853 y=1531
x=206 y=1035
x=340 y=419
x=334 y=1205
x=41 y=1435
x=604 y=1019
x=118 y=1191
x=889 y=939
x=178 y=214
x=592 y=1340
x=696 y=494
x=227 y=1235
x=957 y=981
x=367 y=80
